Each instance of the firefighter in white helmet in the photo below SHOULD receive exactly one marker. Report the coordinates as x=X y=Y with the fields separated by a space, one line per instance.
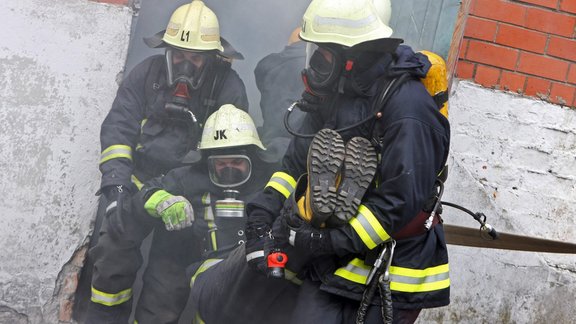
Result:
x=154 y=126
x=210 y=195
x=354 y=206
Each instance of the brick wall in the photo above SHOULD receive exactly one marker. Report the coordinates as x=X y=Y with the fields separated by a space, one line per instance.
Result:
x=527 y=47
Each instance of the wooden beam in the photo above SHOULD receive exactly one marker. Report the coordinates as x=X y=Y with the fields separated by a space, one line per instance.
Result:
x=454 y=51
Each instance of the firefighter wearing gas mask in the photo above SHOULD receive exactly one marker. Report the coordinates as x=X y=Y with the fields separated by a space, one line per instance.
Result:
x=154 y=126
x=358 y=175
x=210 y=196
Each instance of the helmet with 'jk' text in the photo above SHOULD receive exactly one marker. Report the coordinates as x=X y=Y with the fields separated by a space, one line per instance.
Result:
x=229 y=127
x=346 y=22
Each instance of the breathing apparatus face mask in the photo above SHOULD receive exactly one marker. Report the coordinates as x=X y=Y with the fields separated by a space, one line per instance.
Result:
x=229 y=171
x=187 y=67
x=322 y=70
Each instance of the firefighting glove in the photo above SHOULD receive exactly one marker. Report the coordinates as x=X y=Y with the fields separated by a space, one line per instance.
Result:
x=175 y=211
x=307 y=240
x=258 y=245
x=310 y=102
x=118 y=206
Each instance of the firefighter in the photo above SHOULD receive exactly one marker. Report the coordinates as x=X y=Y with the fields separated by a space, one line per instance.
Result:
x=280 y=84
x=360 y=176
x=234 y=169
x=153 y=126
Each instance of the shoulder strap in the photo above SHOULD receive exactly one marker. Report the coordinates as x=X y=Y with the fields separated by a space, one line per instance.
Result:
x=221 y=71
x=153 y=83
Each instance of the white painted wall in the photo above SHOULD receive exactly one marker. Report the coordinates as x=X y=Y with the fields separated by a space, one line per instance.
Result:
x=514 y=159
x=59 y=61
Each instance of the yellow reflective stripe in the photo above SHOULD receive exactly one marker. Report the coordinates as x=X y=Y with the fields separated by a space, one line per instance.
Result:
x=197 y=319
x=401 y=279
x=206 y=202
x=368 y=228
x=142 y=123
x=415 y=280
x=209 y=263
x=291 y=276
x=283 y=183
x=116 y=152
x=107 y=299
x=137 y=182
x=356 y=271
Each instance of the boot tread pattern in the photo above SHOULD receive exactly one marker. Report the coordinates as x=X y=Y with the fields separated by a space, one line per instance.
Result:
x=360 y=165
x=325 y=159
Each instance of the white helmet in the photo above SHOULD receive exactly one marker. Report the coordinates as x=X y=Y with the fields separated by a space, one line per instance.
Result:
x=229 y=127
x=191 y=27
x=346 y=22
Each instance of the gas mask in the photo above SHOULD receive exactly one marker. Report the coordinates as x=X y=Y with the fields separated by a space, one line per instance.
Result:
x=322 y=71
x=229 y=171
x=187 y=67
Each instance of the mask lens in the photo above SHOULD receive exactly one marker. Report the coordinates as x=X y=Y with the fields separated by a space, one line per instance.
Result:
x=322 y=70
x=229 y=170
x=188 y=67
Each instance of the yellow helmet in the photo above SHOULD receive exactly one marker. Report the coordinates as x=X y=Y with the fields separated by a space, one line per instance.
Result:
x=229 y=127
x=192 y=27
x=344 y=22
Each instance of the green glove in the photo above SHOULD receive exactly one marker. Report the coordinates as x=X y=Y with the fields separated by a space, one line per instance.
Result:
x=176 y=211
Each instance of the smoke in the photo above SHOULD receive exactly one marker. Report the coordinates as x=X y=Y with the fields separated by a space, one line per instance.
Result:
x=255 y=28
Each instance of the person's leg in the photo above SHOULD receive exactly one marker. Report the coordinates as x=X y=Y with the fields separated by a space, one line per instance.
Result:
x=315 y=306
x=165 y=286
x=232 y=293
x=116 y=262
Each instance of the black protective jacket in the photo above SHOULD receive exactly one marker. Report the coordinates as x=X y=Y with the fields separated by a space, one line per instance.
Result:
x=220 y=233
x=413 y=143
x=138 y=137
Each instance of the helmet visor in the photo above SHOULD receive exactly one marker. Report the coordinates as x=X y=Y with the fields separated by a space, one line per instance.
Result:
x=322 y=70
x=229 y=170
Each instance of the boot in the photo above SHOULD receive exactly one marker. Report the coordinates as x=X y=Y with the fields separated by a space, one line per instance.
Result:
x=325 y=158
x=358 y=172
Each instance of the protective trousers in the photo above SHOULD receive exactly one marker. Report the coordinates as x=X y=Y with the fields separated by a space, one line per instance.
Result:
x=317 y=306
x=230 y=292
x=116 y=263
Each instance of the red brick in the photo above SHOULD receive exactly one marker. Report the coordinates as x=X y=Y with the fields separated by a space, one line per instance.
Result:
x=511 y=81
x=480 y=28
x=562 y=94
x=568 y=6
x=544 y=3
x=465 y=70
x=572 y=73
x=537 y=87
x=463 y=49
x=115 y=2
x=487 y=76
x=562 y=47
x=500 y=10
x=522 y=38
x=551 y=22
x=543 y=66
x=492 y=54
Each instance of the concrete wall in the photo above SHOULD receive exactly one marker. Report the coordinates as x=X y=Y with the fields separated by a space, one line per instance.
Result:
x=512 y=158
x=59 y=61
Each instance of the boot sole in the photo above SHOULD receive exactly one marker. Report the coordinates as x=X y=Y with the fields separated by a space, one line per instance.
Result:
x=325 y=158
x=360 y=165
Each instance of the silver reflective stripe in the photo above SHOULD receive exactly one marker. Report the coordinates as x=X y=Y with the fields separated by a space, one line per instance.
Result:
x=292 y=237
x=110 y=299
x=254 y=255
x=369 y=229
x=344 y=22
x=421 y=280
x=111 y=206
